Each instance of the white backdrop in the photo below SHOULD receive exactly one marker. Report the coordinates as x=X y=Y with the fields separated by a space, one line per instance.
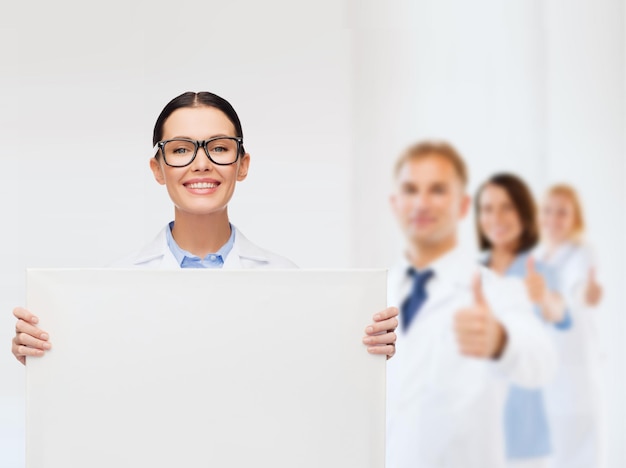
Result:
x=328 y=93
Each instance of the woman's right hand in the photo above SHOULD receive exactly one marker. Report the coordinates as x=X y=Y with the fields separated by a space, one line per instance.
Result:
x=593 y=290
x=535 y=283
x=29 y=339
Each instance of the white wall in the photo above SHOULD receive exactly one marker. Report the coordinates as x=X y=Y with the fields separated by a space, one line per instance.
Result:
x=471 y=73
x=536 y=88
x=585 y=142
x=328 y=95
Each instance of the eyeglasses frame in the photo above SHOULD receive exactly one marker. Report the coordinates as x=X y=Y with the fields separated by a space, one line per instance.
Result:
x=198 y=143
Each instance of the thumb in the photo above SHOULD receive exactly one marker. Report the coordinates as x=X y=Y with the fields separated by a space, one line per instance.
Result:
x=592 y=275
x=530 y=265
x=477 y=290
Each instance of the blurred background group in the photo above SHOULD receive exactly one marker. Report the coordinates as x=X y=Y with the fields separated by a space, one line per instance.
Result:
x=553 y=422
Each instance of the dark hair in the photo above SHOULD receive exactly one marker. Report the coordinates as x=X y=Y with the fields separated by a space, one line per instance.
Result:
x=524 y=203
x=190 y=99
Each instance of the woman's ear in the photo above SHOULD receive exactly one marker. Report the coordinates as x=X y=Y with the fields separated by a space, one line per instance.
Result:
x=157 y=170
x=242 y=167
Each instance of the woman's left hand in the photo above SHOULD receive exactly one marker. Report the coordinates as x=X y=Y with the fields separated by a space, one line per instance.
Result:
x=380 y=335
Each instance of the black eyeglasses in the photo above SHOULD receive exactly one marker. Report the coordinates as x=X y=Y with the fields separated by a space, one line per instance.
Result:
x=180 y=152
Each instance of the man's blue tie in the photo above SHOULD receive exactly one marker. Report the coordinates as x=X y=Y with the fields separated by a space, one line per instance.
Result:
x=418 y=296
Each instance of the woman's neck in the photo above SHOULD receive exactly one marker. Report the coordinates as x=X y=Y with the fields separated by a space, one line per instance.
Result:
x=501 y=259
x=201 y=234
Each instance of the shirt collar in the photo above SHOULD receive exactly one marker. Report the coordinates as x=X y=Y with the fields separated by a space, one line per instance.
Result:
x=518 y=265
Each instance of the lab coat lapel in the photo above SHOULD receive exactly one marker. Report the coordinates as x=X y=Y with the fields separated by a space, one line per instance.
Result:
x=438 y=295
x=434 y=309
x=453 y=275
x=245 y=254
x=452 y=281
x=168 y=261
x=233 y=259
x=559 y=258
x=156 y=254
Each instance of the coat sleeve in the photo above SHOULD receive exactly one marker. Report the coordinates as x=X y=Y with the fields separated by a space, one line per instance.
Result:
x=574 y=279
x=529 y=358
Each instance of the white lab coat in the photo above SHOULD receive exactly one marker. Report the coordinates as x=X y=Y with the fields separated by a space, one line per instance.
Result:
x=445 y=410
x=573 y=399
x=244 y=254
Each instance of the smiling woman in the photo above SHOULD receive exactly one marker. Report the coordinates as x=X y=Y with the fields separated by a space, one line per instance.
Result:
x=199 y=156
x=200 y=171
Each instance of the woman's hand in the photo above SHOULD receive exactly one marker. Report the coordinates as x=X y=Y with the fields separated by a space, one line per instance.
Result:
x=380 y=335
x=550 y=303
x=535 y=284
x=593 y=290
x=29 y=339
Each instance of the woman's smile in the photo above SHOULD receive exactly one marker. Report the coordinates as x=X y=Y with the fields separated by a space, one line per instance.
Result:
x=201 y=186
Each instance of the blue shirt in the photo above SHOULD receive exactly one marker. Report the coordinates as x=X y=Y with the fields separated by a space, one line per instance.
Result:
x=188 y=260
x=527 y=433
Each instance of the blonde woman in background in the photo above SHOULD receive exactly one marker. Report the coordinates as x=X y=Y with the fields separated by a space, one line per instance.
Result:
x=573 y=400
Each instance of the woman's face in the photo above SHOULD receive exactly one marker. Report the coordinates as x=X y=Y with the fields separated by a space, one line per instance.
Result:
x=201 y=188
x=498 y=219
x=557 y=218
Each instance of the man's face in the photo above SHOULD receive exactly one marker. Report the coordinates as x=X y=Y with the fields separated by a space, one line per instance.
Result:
x=429 y=200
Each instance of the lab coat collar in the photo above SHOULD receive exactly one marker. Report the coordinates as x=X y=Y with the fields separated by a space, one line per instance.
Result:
x=154 y=250
x=454 y=266
x=518 y=263
x=242 y=250
x=451 y=268
x=453 y=276
x=560 y=256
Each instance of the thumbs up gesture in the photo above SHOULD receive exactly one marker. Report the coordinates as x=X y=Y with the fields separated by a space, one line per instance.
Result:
x=593 y=290
x=478 y=332
x=535 y=284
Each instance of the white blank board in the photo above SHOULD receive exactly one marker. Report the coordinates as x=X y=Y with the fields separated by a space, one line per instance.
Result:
x=205 y=368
